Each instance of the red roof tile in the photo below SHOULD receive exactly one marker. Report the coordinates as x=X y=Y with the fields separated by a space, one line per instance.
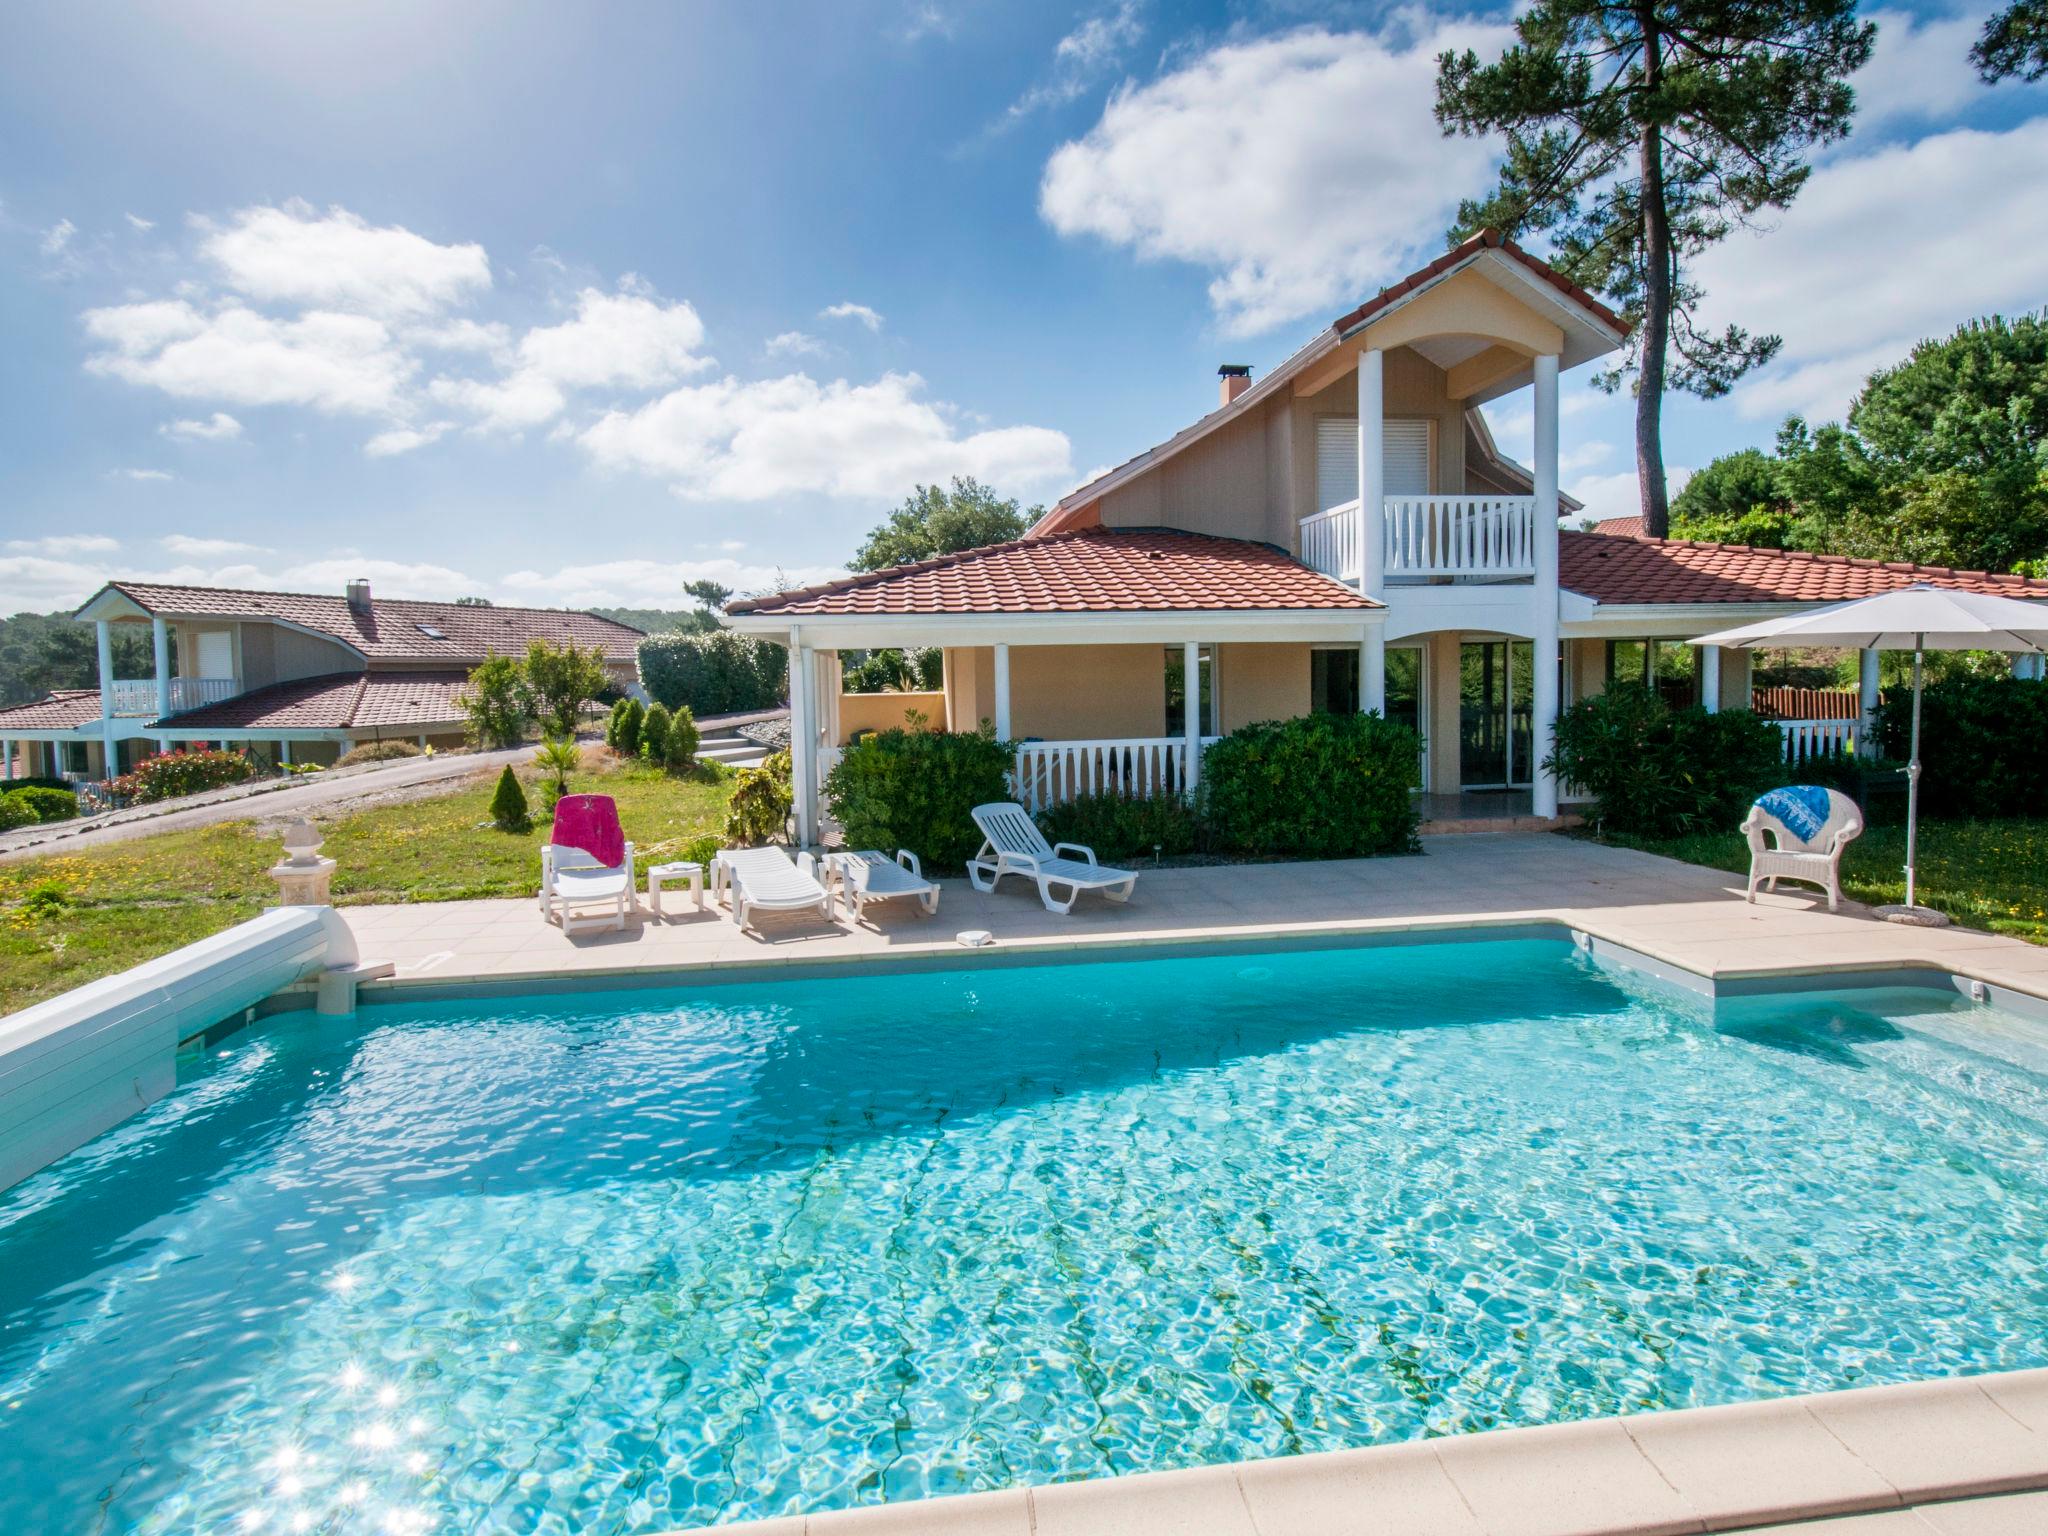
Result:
x=1087 y=570
x=391 y=630
x=1620 y=569
x=339 y=701
x=1622 y=527
x=62 y=710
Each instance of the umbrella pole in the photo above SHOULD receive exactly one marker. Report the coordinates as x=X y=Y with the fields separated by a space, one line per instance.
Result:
x=1913 y=783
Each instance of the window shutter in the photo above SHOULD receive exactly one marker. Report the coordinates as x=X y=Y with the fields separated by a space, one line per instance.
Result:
x=1407 y=459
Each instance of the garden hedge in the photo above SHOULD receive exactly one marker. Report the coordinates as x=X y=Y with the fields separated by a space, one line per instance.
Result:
x=714 y=673
x=916 y=790
x=1655 y=771
x=1123 y=828
x=1983 y=744
x=1320 y=786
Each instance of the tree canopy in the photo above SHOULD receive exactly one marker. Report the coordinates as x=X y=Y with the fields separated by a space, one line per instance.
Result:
x=1943 y=460
x=933 y=521
x=1640 y=134
x=2014 y=42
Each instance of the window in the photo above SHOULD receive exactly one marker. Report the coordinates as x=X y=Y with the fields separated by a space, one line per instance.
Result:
x=430 y=632
x=1333 y=681
x=1669 y=666
x=1406 y=468
x=1176 y=692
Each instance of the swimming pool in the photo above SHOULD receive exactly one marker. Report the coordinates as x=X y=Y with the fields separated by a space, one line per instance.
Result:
x=622 y=1261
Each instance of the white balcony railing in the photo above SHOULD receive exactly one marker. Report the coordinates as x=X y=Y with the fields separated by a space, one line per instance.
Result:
x=1053 y=772
x=1427 y=536
x=1807 y=739
x=135 y=698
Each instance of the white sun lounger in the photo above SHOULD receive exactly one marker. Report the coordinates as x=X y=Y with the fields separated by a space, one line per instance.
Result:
x=1015 y=846
x=765 y=880
x=870 y=875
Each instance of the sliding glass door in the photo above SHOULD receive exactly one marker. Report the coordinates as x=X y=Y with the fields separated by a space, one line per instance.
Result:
x=1496 y=719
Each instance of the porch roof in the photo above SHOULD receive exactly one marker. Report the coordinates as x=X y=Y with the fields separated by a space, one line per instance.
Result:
x=1613 y=568
x=1087 y=570
x=336 y=701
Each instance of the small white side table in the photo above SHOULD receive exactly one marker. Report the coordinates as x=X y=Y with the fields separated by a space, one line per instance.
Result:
x=660 y=874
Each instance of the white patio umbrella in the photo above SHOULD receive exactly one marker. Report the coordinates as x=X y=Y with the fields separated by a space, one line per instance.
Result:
x=1918 y=618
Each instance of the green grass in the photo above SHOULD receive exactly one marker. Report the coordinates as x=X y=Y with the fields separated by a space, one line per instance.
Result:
x=68 y=918
x=1985 y=874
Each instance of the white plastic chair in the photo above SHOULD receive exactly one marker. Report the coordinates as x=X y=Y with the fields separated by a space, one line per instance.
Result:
x=571 y=878
x=1796 y=835
x=767 y=880
x=870 y=875
x=1014 y=846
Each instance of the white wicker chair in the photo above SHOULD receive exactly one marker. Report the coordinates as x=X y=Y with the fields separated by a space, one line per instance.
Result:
x=1798 y=833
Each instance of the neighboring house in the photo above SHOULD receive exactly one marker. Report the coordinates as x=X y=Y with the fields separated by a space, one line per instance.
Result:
x=1242 y=552
x=288 y=676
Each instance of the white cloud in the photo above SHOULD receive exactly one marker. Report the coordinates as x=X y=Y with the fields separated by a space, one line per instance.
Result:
x=1920 y=68
x=198 y=548
x=338 y=260
x=138 y=223
x=1620 y=494
x=332 y=362
x=1305 y=169
x=147 y=474
x=1078 y=59
x=399 y=440
x=795 y=344
x=647 y=583
x=1880 y=251
x=65 y=544
x=219 y=427
x=927 y=20
x=870 y=318
x=789 y=436
x=493 y=338
x=57 y=236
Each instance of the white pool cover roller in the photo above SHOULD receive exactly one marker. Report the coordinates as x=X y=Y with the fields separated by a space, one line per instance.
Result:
x=78 y=1064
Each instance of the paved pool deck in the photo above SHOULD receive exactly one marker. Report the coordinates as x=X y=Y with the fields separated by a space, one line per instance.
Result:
x=1966 y=1457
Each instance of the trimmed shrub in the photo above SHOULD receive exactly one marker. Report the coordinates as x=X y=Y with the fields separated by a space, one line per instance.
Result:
x=1983 y=744
x=1121 y=828
x=508 y=804
x=715 y=673
x=654 y=734
x=376 y=752
x=47 y=804
x=171 y=774
x=1655 y=771
x=16 y=812
x=1321 y=786
x=37 y=781
x=759 y=808
x=679 y=755
x=915 y=789
x=628 y=734
x=611 y=724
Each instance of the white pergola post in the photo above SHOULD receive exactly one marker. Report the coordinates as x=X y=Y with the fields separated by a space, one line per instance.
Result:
x=1191 y=708
x=111 y=764
x=1867 y=690
x=1710 y=679
x=1372 y=473
x=160 y=637
x=284 y=753
x=1372 y=671
x=1002 y=691
x=1544 y=694
x=800 y=773
x=7 y=759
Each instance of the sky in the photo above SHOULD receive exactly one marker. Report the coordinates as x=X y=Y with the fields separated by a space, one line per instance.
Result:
x=567 y=305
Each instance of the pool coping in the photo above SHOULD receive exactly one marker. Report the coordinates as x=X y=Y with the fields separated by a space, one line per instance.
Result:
x=1741 y=1466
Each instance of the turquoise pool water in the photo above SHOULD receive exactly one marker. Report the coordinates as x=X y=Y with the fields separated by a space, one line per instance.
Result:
x=623 y=1261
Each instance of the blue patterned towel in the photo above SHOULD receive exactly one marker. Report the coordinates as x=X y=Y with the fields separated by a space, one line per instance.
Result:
x=1803 y=808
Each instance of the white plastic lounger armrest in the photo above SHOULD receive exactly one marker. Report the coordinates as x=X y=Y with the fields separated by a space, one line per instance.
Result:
x=910 y=862
x=1059 y=850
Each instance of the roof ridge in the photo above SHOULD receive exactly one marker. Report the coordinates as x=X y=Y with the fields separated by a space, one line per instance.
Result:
x=1824 y=557
x=123 y=583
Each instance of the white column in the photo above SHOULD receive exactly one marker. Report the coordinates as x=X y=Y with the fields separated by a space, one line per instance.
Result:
x=800 y=772
x=160 y=636
x=1372 y=472
x=1002 y=691
x=112 y=765
x=284 y=753
x=1710 y=678
x=1191 y=708
x=1867 y=687
x=1544 y=693
x=6 y=759
x=1372 y=671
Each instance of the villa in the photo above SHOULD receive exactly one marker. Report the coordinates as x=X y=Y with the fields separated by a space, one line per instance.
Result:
x=1293 y=563
x=288 y=676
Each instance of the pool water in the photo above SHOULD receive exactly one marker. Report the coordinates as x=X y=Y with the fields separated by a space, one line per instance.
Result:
x=631 y=1260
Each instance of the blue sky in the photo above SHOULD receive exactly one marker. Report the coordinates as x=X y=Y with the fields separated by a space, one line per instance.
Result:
x=569 y=305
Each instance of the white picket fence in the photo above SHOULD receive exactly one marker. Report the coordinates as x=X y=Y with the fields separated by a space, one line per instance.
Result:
x=1808 y=739
x=1052 y=772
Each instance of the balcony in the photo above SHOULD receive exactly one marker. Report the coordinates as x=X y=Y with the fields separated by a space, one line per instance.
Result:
x=135 y=698
x=1485 y=538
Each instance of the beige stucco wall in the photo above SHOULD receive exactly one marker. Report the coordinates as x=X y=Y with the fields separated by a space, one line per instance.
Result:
x=888 y=711
x=267 y=653
x=1086 y=692
x=1261 y=682
x=1441 y=705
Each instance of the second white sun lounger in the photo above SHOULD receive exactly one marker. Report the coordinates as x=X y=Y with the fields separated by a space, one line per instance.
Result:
x=871 y=875
x=1014 y=846
x=765 y=880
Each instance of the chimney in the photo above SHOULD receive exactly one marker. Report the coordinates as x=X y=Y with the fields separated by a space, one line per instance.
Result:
x=359 y=594
x=1237 y=378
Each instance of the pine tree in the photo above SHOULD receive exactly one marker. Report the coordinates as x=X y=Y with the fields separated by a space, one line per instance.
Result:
x=508 y=804
x=654 y=734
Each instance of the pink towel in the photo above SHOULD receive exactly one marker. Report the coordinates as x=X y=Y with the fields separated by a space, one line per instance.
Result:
x=591 y=823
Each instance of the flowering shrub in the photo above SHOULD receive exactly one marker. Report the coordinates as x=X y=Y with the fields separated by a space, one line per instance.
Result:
x=171 y=774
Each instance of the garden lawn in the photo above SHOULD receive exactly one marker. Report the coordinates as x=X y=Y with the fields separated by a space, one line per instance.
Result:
x=67 y=919
x=1984 y=874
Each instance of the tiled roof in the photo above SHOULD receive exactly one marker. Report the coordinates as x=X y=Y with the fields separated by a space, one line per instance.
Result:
x=390 y=630
x=1622 y=527
x=1611 y=569
x=1089 y=570
x=338 y=701
x=1464 y=252
x=62 y=710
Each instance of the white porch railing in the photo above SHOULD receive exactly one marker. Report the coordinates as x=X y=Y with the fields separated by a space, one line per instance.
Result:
x=1806 y=739
x=1052 y=772
x=136 y=697
x=1464 y=535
